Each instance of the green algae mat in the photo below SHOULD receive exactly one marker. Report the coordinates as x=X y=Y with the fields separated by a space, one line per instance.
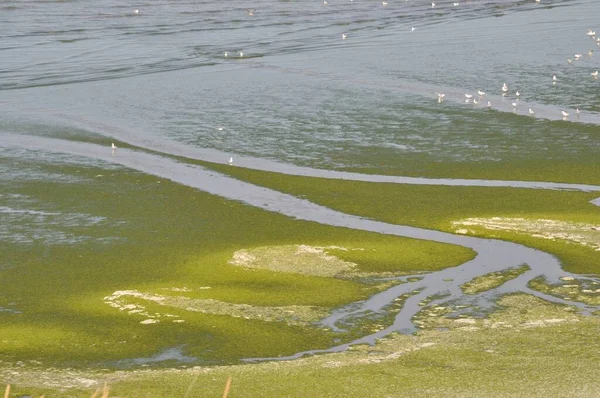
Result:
x=147 y=280
x=148 y=272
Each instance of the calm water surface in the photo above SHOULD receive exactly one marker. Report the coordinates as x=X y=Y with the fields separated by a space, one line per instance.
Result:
x=301 y=94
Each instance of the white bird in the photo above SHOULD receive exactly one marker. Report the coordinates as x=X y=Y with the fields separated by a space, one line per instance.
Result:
x=475 y=101
x=594 y=74
x=569 y=61
x=577 y=111
x=412 y=29
x=468 y=96
x=554 y=79
x=225 y=54
x=241 y=54
x=590 y=53
x=514 y=104
x=136 y=11
x=565 y=114
x=455 y=4
x=230 y=160
x=324 y=2
x=489 y=104
x=480 y=93
x=440 y=96
x=432 y=5
x=113 y=146
x=384 y=3
x=537 y=1
x=591 y=32
x=518 y=94
x=577 y=56
x=504 y=88
x=220 y=128
x=531 y=112
x=344 y=36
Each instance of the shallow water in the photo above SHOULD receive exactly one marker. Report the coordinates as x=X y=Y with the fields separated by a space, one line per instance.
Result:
x=301 y=94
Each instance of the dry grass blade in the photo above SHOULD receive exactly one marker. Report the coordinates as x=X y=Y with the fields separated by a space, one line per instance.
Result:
x=227 y=386
x=95 y=394
x=105 y=391
x=191 y=386
x=7 y=391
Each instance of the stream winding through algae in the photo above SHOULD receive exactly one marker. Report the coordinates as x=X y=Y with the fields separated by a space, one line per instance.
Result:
x=492 y=255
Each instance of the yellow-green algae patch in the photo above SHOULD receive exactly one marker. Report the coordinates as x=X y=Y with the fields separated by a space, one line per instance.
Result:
x=584 y=234
x=521 y=311
x=528 y=348
x=131 y=302
x=492 y=280
x=570 y=289
x=437 y=207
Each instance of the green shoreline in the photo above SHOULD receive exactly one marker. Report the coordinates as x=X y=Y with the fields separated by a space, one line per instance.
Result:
x=437 y=207
x=528 y=348
x=188 y=244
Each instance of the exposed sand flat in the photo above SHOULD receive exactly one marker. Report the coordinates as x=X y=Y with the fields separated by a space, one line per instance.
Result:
x=300 y=259
x=122 y=300
x=581 y=233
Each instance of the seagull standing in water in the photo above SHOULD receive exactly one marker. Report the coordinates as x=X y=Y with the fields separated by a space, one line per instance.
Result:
x=250 y=11
x=480 y=93
x=113 y=147
x=344 y=36
x=565 y=114
x=230 y=161
x=440 y=97
x=531 y=112
x=594 y=74
x=504 y=89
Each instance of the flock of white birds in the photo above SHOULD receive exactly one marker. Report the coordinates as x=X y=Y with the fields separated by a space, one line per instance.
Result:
x=469 y=98
x=505 y=91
